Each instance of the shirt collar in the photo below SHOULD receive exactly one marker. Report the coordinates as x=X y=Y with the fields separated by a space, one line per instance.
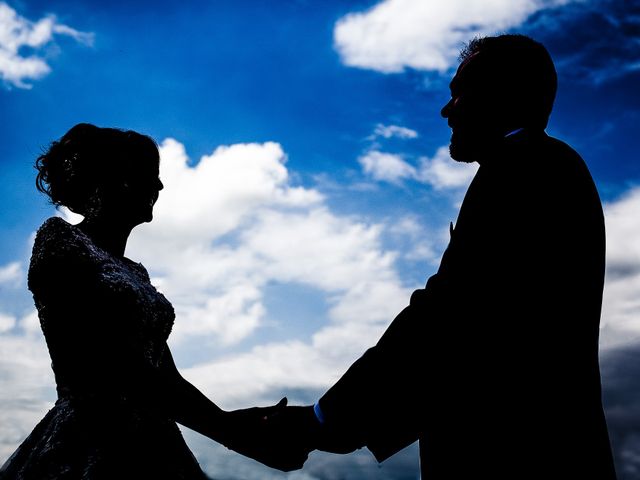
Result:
x=513 y=132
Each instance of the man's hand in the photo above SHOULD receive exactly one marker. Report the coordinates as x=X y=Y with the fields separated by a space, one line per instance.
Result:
x=296 y=426
x=301 y=427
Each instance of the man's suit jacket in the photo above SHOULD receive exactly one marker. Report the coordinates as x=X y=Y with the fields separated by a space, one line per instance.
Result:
x=493 y=366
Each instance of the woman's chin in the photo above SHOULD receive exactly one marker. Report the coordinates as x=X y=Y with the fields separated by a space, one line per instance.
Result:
x=144 y=217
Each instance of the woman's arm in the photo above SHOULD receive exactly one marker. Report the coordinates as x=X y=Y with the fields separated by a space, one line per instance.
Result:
x=245 y=431
x=187 y=405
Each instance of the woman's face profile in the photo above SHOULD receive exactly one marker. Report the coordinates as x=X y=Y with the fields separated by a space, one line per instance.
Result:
x=142 y=188
x=133 y=197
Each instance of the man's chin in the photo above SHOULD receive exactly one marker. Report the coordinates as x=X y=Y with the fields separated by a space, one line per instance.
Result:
x=461 y=153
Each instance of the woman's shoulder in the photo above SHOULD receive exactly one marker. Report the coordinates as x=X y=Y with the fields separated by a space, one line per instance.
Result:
x=54 y=224
x=58 y=240
x=59 y=234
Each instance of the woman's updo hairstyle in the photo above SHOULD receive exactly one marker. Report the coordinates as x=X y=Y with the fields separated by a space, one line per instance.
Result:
x=75 y=170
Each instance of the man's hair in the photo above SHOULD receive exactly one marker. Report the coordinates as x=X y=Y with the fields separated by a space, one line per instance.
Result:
x=523 y=71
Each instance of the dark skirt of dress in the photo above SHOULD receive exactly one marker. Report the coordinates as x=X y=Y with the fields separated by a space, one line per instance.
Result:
x=80 y=439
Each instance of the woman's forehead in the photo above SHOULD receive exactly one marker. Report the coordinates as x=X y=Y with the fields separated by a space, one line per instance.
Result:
x=143 y=165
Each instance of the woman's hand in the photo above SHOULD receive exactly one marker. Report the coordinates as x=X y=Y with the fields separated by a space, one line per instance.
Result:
x=256 y=433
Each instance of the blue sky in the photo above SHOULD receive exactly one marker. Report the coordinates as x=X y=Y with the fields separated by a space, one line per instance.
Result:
x=308 y=187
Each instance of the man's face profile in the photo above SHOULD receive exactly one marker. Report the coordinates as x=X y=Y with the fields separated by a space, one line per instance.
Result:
x=473 y=113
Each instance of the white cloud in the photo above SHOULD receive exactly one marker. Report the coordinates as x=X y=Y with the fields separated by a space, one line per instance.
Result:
x=17 y=32
x=442 y=172
x=232 y=224
x=388 y=167
x=425 y=35
x=318 y=248
x=621 y=305
x=7 y=322
x=419 y=243
x=223 y=190
x=389 y=131
x=214 y=284
x=255 y=375
x=27 y=381
x=11 y=273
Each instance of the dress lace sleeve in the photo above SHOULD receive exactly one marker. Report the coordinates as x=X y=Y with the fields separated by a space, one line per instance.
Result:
x=60 y=261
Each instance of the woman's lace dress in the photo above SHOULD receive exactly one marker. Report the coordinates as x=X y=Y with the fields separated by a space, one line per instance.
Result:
x=106 y=327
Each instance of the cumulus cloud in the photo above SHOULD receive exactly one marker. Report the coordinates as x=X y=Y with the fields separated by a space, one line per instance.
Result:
x=264 y=372
x=223 y=190
x=416 y=241
x=395 y=34
x=16 y=33
x=7 y=322
x=440 y=171
x=27 y=381
x=388 y=167
x=621 y=305
x=234 y=223
x=389 y=131
x=11 y=274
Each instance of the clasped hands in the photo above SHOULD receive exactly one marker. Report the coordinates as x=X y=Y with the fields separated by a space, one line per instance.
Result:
x=278 y=436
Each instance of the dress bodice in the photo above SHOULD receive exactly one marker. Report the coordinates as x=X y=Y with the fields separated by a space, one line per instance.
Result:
x=102 y=318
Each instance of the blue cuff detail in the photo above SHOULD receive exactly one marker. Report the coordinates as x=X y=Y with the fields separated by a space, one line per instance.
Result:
x=318 y=411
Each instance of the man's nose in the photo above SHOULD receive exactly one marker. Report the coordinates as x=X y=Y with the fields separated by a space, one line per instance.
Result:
x=446 y=109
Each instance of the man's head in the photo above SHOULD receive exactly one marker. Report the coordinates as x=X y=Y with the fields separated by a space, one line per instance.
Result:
x=503 y=83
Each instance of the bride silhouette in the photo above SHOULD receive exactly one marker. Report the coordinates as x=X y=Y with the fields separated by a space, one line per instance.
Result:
x=119 y=392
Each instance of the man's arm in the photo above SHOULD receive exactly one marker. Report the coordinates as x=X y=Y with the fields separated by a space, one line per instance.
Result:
x=378 y=402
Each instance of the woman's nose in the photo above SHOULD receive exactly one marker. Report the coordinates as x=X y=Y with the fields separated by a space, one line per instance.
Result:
x=160 y=185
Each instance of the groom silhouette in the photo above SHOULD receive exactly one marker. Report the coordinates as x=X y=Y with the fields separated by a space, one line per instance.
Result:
x=493 y=366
